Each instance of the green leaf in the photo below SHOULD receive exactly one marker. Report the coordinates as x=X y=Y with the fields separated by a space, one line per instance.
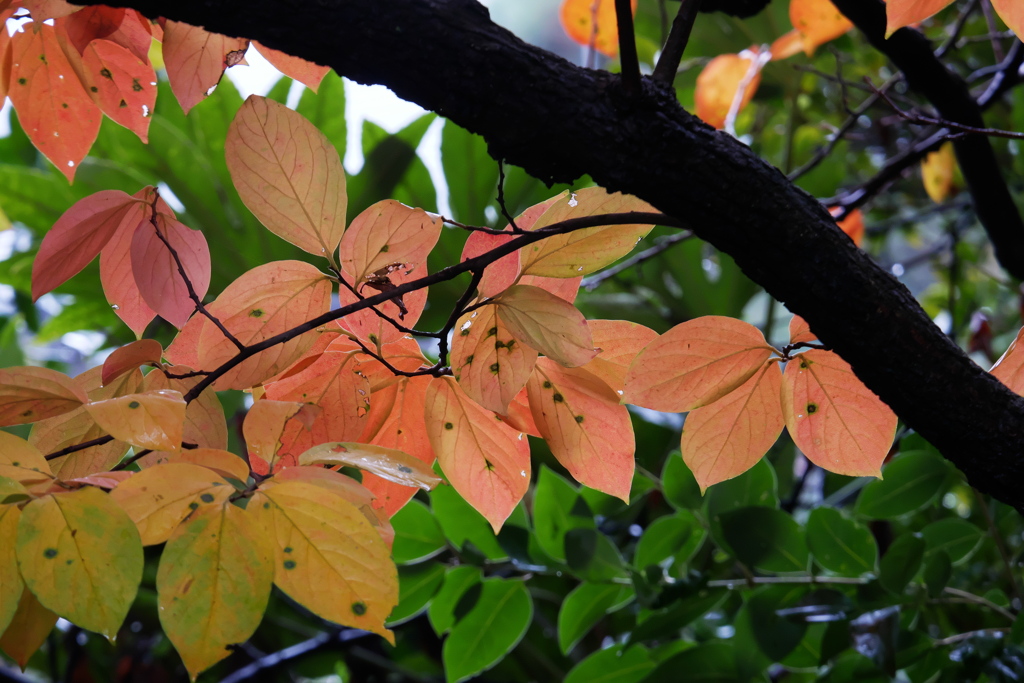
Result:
x=592 y=556
x=325 y=109
x=758 y=622
x=457 y=581
x=491 y=629
x=557 y=509
x=584 y=607
x=900 y=563
x=956 y=537
x=462 y=524
x=417 y=584
x=471 y=173
x=713 y=662
x=756 y=486
x=678 y=484
x=765 y=538
x=417 y=534
x=666 y=622
x=938 y=569
x=840 y=545
x=909 y=482
x=614 y=665
x=677 y=536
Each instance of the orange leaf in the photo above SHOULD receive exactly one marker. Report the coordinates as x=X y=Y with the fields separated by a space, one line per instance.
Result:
x=152 y=419
x=103 y=480
x=800 y=331
x=585 y=427
x=592 y=22
x=486 y=461
x=5 y=55
x=852 y=225
x=262 y=303
x=41 y=10
x=1012 y=14
x=289 y=175
x=77 y=238
x=564 y=288
x=121 y=84
x=838 y=423
x=937 y=172
x=818 y=21
x=1009 y=369
x=53 y=108
x=30 y=394
x=205 y=424
x=116 y=274
x=546 y=323
x=499 y=275
x=127 y=358
x=385 y=234
x=728 y=437
x=28 y=629
x=519 y=415
x=307 y=73
x=264 y=428
x=195 y=60
x=695 y=363
x=157 y=274
x=584 y=251
x=125 y=27
x=369 y=326
x=387 y=463
x=619 y=341
x=719 y=83
x=900 y=13
x=487 y=361
x=787 y=45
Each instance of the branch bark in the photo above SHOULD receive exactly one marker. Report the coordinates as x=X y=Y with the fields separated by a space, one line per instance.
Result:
x=560 y=121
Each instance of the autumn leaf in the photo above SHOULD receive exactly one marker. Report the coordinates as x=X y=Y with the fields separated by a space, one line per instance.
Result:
x=592 y=22
x=694 y=364
x=121 y=84
x=195 y=60
x=320 y=539
x=386 y=463
x=288 y=174
x=307 y=73
x=30 y=394
x=546 y=323
x=224 y=463
x=387 y=233
x=80 y=554
x=158 y=274
x=519 y=416
x=205 y=423
x=152 y=419
x=838 y=423
x=818 y=21
x=368 y=325
x=53 y=108
x=1009 y=369
x=213 y=583
x=21 y=461
x=28 y=630
x=719 y=83
x=565 y=288
x=264 y=428
x=121 y=26
x=116 y=273
x=41 y=10
x=800 y=331
x=486 y=461
x=619 y=342
x=11 y=584
x=77 y=238
x=1011 y=12
x=900 y=13
x=852 y=224
x=489 y=363
x=586 y=428
x=725 y=439
x=498 y=275
x=130 y=357
x=938 y=173
x=787 y=45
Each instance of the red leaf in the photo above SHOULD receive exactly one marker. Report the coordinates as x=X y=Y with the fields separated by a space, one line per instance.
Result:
x=195 y=60
x=122 y=26
x=116 y=274
x=369 y=326
x=128 y=358
x=157 y=273
x=121 y=84
x=499 y=275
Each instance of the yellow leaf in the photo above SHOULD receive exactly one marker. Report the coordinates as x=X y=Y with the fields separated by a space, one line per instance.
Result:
x=288 y=174
x=818 y=21
x=159 y=497
x=900 y=13
x=387 y=233
x=327 y=557
x=214 y=582
x=224 y=463
x=11 y=584
x=205 y=423
x=28 y=629
x=546 y=323
x=695 y=363
x=21 y=461
x=487 y=361
x=728 y=437
x=80 y=554
x=593 y=22
x=838 y=423
x=31 y=394
x=152 y=419
x=386 y=463
x=937 y=172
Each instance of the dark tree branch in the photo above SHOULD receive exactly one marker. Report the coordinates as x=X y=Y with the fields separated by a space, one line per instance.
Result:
x=627 y=48
x=672 y=53
x=912 y=53
x=560 y=121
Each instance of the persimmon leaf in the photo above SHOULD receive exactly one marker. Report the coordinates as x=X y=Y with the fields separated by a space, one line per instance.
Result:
x=116 y=274
x=818 y=22
x=386 y=463
x=213 y=583
x=589 y=25
x=305 y=72
x=157 y=273
x=1011 y=13
x=488 y=361
x=11 y=584
x=900 y=13
x=486 y=461
x=838 y=423
x=852 y=225
x=618 y=342
x=41 y=10
x=30 y=394
x=546 y=323
x=152 y=419
x=129 y=357
x=719 y=83
x=80 y=554
x=725 y=439
x=205 y=423
x=499 y=275
x=369 y=326
x=21 y=461
x=1009 y=369
x=224 y=463
x=289 y=175
x=937 y=172
x=77 y=238
x=695 y=363
x=124 y=27
x=28 y=629
x=195 y=60
x=800 y=331
x=388 y=233
x=121 y=84
x=586 y=428
x=264 y=428
x=321 y=540
x=564 y=288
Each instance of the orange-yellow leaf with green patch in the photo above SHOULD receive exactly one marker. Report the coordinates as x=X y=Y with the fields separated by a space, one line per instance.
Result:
x=546 y=323
x=800 y=331
x=695 y=363
x=158 y=498
x=214 y=582
x=288 y=174
x=30 y=394
x=28 y=629
x=205 y=423
x=838 y=423
x=305 y=72
x=900 y=13
x=130 y=357
x=728 y=437
x=387 y=233
x=584 y=251
x=320 y=539
x=618 y=343
x=592 y=22
x=21 y=461
x=80 y=554
x=195 y=60
x=489 y=363
x=586 y=428
x=265 y=301
x=53 y=108
x=151 y=419
x=11 y=584
x=386 y=463
x=486 y=461
x=121 y=84
x=264 y=428
x=719 y=83
x=937 y=172
x=818 y=21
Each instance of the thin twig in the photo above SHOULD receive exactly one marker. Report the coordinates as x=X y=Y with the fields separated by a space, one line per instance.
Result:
x=958 y=28
x=1004 y=554
x=978 y=600
x=748 y=582
x=924 y=120
x=592 y=282
x=960 y=637
x=457 y=312
x=501 y=198
x=99 y=441
x=627 y=48
x=672 y=53
x=276 y=659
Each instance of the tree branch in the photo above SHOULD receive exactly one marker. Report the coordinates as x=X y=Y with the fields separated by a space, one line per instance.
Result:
x=672 y=53
x=627 y=48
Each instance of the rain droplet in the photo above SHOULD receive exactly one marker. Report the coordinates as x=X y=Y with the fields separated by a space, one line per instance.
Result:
x=572 y=199
x=473 y=314
x=523 y=473
x=145 y=110
x=520 y=436
x=466 y=325
x=71 y=163
x=361 y=392
x=620 y=392
x=115 y=307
